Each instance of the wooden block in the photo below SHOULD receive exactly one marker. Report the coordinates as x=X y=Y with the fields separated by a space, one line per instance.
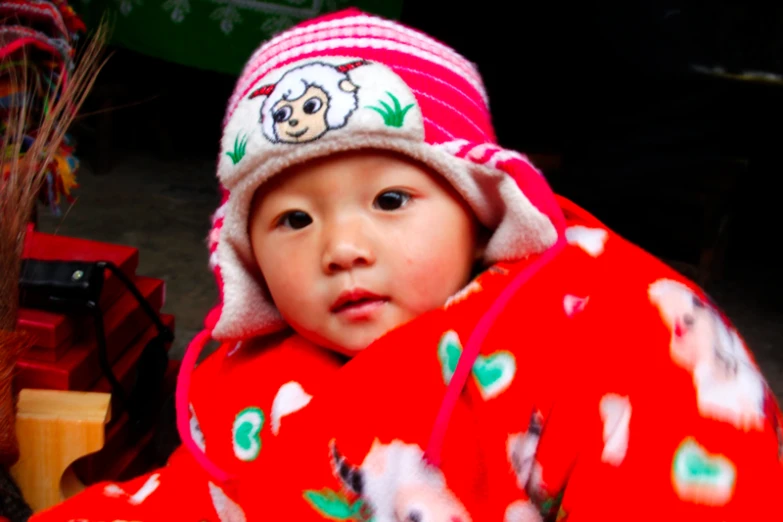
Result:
x=54 y=429
x=79 y=369
x=52 y=329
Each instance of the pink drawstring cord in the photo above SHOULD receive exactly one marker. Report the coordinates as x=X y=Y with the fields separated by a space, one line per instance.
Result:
x=183 y=406
x=465 y=365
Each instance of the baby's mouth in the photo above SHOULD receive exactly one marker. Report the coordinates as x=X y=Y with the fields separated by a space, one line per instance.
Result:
x=357 y=302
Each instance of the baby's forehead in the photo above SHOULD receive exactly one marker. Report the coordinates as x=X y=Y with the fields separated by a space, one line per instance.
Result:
x=358 y=167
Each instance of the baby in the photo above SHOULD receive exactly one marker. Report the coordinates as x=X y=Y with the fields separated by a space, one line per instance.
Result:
x=366 y=373
x=359 y=242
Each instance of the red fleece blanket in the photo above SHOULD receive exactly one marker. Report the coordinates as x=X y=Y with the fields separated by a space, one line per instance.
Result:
x=598 y=385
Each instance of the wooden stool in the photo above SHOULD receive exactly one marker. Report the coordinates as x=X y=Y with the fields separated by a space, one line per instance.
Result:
x=55 y=428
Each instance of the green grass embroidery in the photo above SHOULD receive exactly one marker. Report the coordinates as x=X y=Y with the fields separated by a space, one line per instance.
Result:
x=240 y=145
x=392 y=116
x=333 y=505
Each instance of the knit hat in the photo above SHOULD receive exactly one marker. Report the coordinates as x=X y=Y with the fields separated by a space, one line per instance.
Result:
x=348 y=81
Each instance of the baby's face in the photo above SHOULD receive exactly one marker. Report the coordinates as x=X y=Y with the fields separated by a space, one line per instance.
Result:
x=354 y=245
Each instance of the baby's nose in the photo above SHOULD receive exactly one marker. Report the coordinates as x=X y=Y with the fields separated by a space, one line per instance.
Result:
x=349 y=244
x=346 y=256
x=293 y=122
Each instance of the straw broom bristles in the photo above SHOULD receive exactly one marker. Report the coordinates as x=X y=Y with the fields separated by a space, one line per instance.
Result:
x=19 y=189
x=26 y=175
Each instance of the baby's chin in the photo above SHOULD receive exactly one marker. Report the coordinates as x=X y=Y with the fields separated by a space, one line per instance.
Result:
x=346 y=343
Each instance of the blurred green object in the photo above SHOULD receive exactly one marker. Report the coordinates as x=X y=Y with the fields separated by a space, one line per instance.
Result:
x=216 y=35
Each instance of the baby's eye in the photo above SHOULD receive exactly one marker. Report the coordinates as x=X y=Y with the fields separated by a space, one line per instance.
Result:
x=295 y=219
x=391 y=200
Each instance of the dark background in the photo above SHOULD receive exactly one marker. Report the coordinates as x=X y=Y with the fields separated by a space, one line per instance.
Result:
x=660 y=153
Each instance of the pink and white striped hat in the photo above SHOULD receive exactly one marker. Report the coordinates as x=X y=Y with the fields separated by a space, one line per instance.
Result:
x=351 y=80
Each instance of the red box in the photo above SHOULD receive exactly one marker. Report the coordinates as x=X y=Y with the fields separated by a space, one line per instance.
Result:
x=121 y=455
x=78 y=369
x=52 y=333
x=127 y=362
x=54 y=330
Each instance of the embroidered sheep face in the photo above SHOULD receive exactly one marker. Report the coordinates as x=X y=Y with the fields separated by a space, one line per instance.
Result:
x=307 y=102
x=699 y=336
x=398 y=485
x=303 y=119
x=729 y=386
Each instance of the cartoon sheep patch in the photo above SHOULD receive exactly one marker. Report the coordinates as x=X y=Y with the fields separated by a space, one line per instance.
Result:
x=728 y=385
x=394 y=483
x=312 y=99
x=307 y=102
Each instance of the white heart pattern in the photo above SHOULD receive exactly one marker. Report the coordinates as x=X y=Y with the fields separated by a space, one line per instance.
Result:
x=591 y=240
x=146 y=489
x=290 y=398
x=616 y=415
x=573 y=304
x=227 y=510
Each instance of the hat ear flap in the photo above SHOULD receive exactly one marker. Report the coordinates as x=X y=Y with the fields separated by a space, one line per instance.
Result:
x=534 y=185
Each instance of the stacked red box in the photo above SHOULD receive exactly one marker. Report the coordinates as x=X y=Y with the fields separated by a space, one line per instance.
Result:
x=64 y=355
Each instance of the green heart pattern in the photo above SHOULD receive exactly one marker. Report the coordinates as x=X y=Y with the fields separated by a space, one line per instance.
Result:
x=493 y=373
x=701 y=477
x=247 y=433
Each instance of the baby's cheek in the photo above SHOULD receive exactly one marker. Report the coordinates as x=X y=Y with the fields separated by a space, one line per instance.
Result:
x=429 y=267
x=289 y=296
x=430 y=286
